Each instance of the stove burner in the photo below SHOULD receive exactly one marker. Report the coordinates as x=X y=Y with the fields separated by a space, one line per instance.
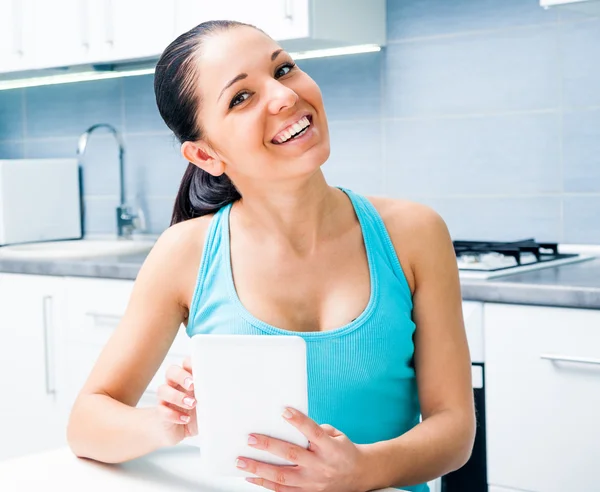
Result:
x=493 y=256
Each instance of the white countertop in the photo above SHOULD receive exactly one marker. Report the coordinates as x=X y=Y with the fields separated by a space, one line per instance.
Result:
x=169 y=469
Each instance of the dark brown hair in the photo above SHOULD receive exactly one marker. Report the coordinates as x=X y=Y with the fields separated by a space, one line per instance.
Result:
x=200 y=193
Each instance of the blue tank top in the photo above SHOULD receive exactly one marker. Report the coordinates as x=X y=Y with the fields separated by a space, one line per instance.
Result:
x=361 y=378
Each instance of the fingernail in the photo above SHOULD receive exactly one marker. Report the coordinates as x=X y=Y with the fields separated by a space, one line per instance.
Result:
x=189 y=401
x=287 y=414
x=252 y=440
x=188 y=383
x=240 y=463
x=185 y=418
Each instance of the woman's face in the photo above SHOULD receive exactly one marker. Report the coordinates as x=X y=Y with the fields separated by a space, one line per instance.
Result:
x=262 y=116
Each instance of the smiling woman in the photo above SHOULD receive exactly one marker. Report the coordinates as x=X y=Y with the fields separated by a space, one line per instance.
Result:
x=261 y=244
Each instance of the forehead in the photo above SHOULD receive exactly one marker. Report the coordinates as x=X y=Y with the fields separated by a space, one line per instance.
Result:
x=226 y=54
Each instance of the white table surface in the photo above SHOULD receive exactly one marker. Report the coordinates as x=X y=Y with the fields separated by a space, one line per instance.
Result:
x=169 y=469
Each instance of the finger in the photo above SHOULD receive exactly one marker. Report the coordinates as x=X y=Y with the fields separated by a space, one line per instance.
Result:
x=271 y=485
x=282 y=475
x=313 y=431
x=178 y=375
x=171 y=415
x=169 y=394
x=331 y=431
x=287 y=451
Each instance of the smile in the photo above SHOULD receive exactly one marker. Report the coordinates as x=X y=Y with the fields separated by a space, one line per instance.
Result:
x=293 y=131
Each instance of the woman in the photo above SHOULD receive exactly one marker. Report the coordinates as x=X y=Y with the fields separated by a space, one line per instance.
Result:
x=372 y=284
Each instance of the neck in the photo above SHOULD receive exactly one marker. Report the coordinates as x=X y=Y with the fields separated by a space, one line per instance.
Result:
x=299 y=214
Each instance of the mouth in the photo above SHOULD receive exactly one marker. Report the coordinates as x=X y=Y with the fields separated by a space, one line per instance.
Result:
x=293 y=132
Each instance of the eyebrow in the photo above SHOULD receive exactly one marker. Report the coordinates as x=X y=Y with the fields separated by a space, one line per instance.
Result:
x=242 y=76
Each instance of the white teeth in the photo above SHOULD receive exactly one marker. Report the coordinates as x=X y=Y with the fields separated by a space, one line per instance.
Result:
x=294 y=129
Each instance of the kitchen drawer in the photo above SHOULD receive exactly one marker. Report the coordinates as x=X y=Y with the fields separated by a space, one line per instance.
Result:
x=542 y=397
x=95 y=308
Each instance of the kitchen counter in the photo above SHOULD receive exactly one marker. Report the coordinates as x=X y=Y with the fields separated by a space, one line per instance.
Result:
x=166 y=470
x=576 y=285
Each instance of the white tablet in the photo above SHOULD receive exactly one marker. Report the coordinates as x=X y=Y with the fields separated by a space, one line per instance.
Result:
x=242 y=384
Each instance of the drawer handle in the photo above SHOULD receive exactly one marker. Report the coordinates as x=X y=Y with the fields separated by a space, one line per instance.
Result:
x=48 y=355
x=567 y=358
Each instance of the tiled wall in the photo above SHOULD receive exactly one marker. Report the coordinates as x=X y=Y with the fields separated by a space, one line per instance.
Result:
x=489 y=111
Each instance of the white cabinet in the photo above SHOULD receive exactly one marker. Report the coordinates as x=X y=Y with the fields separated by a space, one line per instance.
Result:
x=542 y=397
x=94 y=309
x=281 y=19
x=137 y=29
x=37 y=34
x=12 y=41
x=298 y=24
x=56 y=33
x=30 y=316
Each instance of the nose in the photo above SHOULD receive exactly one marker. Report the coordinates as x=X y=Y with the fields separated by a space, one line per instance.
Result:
x=281 y=97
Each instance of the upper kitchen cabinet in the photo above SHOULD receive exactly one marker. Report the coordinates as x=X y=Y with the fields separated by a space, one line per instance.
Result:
x=39 y=34
x=134 y=29
x=12 y=49
x=54 y=34
x=298 y=25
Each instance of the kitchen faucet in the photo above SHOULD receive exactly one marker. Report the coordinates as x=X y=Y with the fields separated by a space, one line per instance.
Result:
x=127 y=219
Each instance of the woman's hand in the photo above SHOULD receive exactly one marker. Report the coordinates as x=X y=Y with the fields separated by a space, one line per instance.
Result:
x=176 y=404
x=332 y=463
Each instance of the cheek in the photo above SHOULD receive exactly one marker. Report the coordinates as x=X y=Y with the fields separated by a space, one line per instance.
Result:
x=309 y=90
x=244 y=136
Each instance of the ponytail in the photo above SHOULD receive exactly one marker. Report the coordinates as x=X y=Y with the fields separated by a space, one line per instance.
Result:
x=201 y=193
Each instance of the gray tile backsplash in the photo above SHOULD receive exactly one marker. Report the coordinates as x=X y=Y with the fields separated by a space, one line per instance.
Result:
x=582 y=222
x=582 y=152
x=513 y=70
x=488 y=111
x=12 y=149
x=579 y=51
x=141 y=113
x=356 y=160
x=67 y=110
x=511 y=154
x=423 y=18
x=12 y=121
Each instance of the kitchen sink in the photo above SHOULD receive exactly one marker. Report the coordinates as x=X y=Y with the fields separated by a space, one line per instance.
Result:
x=80 y=248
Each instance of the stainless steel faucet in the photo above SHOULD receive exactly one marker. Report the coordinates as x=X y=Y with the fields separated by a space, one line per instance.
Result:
x=128 y=219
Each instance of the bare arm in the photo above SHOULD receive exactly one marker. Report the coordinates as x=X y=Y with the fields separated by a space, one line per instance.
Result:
x=104 y=424
x=443 y=441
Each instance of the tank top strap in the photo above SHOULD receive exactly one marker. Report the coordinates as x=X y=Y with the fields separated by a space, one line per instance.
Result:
x=376 y=234
x=210 y=261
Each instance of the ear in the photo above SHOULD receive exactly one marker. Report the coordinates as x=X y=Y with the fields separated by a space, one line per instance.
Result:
x=200 y=155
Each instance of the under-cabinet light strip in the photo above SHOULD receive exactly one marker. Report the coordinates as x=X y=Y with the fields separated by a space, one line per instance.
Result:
x=68 y=78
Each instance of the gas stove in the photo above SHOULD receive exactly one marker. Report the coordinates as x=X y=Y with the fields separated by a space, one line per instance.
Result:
x=486 y=259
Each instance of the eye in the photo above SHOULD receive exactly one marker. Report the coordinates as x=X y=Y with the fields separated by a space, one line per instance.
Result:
x=284 y=69
x=239 y=98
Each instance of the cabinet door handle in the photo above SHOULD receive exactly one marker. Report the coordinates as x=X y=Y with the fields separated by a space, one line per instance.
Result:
x=289 y=9
x=108 y=23
x=17 y=27
x=568 y=358
x=47 y=311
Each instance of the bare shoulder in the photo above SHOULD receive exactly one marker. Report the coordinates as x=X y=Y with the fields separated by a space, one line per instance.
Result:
x=183 y=237
x=175 y=257
x=417 y=231
x=402 y=216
